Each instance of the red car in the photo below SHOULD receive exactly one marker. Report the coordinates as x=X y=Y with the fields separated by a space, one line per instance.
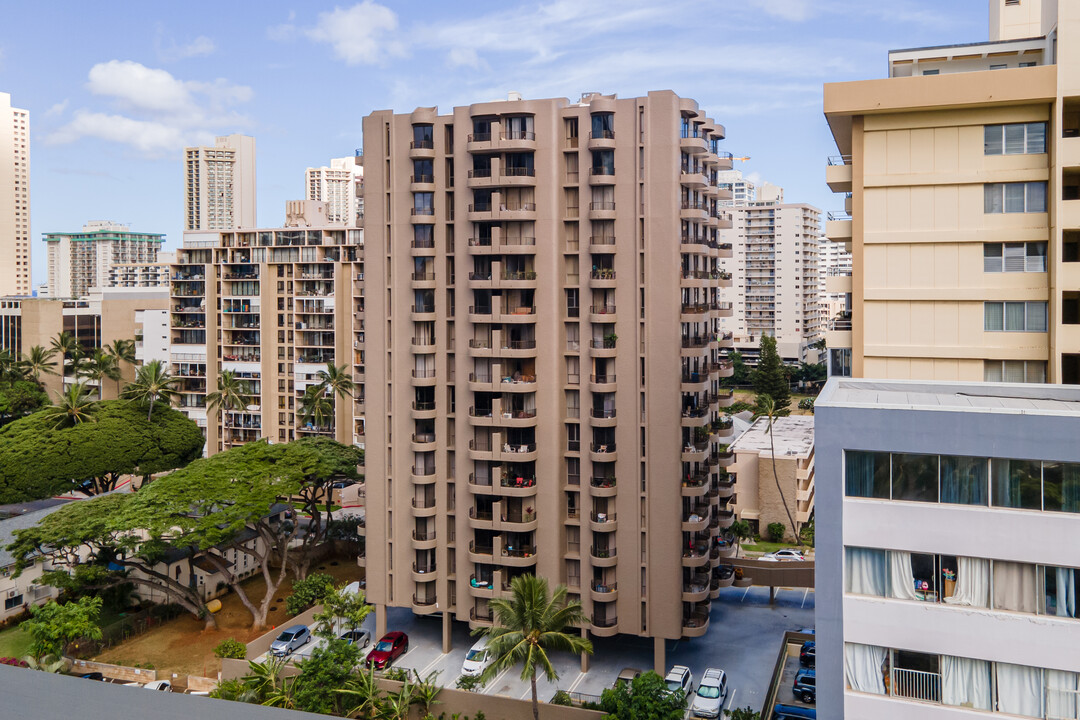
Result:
x=392 y=646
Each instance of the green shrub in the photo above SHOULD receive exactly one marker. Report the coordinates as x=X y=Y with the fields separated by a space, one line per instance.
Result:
x=397 y=674
x=231 y=690
x=776 y=531
x=308 y=592
x=469 y=683
x=561 y=698
x=807 y=404
x=231 y=648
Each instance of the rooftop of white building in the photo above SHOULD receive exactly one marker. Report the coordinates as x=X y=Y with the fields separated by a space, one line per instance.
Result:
x=791 y=437
x=1014 y=398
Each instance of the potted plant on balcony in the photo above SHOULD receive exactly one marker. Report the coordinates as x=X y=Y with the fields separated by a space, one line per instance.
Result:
x=610 y=339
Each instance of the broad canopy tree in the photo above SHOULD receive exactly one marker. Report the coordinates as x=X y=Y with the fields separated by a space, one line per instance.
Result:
x=220 y=502
x=40 y=460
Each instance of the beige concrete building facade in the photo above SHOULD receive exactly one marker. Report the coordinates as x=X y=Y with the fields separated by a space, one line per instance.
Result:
x=545 y=358
x=759 y=501
x=14 y=199
x=963 y=169
x=219 y=185
x=341 y=187
x=274 y=306
x=87 y=259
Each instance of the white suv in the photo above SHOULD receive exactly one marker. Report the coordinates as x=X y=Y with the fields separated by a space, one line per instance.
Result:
x=711 y=694
x=680 y=678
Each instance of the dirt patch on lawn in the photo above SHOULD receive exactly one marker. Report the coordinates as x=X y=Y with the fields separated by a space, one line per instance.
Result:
x=183 y=647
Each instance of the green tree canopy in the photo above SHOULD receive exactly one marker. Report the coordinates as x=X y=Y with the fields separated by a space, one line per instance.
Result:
x=19 y=398
x=52 y=625
x=647 y=696
x=38 y=460
x=770 y=377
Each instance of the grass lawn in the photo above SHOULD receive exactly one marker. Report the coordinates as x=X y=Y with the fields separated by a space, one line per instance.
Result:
x=765 y=546
x=14 y=642
x=747 y=396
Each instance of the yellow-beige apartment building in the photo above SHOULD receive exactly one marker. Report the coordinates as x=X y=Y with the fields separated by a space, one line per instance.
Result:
x=962 y=179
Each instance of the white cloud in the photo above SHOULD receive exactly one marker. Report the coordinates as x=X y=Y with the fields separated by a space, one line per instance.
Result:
x=57 y=109
x=463 y=57
x=159 y=112
x=199 y=47
x=361 y=34
x=791 y=10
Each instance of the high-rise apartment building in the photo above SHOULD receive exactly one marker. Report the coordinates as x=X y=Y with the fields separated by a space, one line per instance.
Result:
x=946 y=568
x=143 y=274
x=548 y=359
x=219 y=185
x=82 y=260
x=274 y=306
x=834 y=271
x=14 y=199
x=743 y=191
x=774 y=277
x=341 y=187
x=963 y=169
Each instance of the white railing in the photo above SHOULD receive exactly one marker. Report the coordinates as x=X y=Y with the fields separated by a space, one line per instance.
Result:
x=916 y=685
x=1062 y=704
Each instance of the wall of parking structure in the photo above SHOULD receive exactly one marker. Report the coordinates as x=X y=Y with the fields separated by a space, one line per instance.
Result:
x=116 y=672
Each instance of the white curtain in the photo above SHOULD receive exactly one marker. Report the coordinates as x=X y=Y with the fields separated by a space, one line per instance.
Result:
x=865 y=571
x=972 y=583
x=902 y=579
x=1015 y=587
x=1061 y=695
x=862 y=668
x=965 y=682
x=1066 y=593
x=1019 y=689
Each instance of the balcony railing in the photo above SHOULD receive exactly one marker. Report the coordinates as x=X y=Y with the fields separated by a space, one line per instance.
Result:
x=602 y=552
x=916 y=684
x=838 y=215
x=604 y=587
x=601 y=379
x=839 y=159
x=602 y=447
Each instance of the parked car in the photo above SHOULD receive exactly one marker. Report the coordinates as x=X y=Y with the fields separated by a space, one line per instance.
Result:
x=626 y=676
x=711 y=694
x=679 y=677
x=794 y=712
x=359 y=638
x=805 y=687
x=476 y=659
x=784 y=555
x=290 y=640
x=93 y=676
x=162 y=685
x=392 y=646
x=807 y=653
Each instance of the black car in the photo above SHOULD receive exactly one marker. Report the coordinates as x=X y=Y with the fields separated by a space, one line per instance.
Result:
x=805 y=687
x=93 y=676
x=807 y=653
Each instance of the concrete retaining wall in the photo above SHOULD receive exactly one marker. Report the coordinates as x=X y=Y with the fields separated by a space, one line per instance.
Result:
x=200 y=684
x=116 y=672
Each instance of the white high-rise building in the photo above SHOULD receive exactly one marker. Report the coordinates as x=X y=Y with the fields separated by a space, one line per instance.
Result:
x=91 y=258
x=219 y=184
x=834 y=271
x=774 y=271
x=340 y=186
x=743 y=191
x=14 y=199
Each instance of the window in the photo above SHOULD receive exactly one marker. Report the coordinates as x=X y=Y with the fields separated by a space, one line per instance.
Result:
x=1016 y=483
x=1014 y=197
x=931 y=72
x=1014 y=139
x=13 y=602
x=1014 y=371
x=915 y=477
x=866 y=474
x=1014 y=257
x=1014 y=317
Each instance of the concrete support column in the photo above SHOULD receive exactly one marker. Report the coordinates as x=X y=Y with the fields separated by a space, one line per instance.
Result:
x=447 y=626
x=584 y=656
x=659 y=656
x=380 y=621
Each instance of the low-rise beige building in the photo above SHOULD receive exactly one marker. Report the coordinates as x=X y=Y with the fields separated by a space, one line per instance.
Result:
x=792 y=445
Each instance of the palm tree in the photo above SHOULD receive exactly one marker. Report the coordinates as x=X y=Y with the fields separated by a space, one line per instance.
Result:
x=98 y=367
x=528 y=624
x=317 y=408
x=767 y=406
x=72 y=406
x=396 y=706
x=337 y=380
x=152 y=384
x=740 y=530
x=425 y=690
x=11 y=368
x=66 y=346
x=365 y=693
x=124 y=352
x=39 y=360
x=264 y=679
x=229 y=394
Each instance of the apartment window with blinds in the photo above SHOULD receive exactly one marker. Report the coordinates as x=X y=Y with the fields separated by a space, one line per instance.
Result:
x=1015 y=139
x=1014 y=257
x=1014 y=316
x=1014 y=197
x=1014 y=371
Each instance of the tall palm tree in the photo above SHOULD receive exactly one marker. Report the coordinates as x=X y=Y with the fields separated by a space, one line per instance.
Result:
x=72 y=406
x=124 y=352
x=11 y=368
x=99 y=367
x=66 y=346
x=230 y=395
x=153 y=383
x=528 y=624
x=39 y=360
x=317 y=408
x=767 y=406
x=337 y=380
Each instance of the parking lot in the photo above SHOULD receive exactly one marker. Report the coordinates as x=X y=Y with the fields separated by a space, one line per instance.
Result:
x=744 y=634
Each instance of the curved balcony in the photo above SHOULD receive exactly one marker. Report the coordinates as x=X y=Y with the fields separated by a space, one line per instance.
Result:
x=517 y=177
x=697 y=520
x=601 y=176
x=697 y=590
x=695 y=486
x=722 y=309
x=695 y=382
x=696 y=556
x=424 y=605
x=423 y=442
x=481 y=417
x=603 y=487
x=480 y=348
x=602 y=452
x=603 y=522
x=518 y=212
x=516 y=279
x=422 y=183
x=423 y=410
x=422 y=216
x=482 y=450
x=481 y=588
x=517 y=140
x=482 y=383
x=722 y=519
x=696 y=623
x=423 y=378
x=602 y=418
x=720 y=459
x=423 y=540
x=422 y=313
x=603 y=557
x=423 y=573
x=603 y=313
x=602 y=211
x=717 y=583
x=480 y=281
x=604 y=627
x=694 y=211
x=523 y=556
x=519 y=523
x=481 y=178
x=517 y=349
x=695 y=452
x=424 y=507
x=721 y=369
x=695 y=417
x=481 y=520
x=422 y=476
x=480 y=314
x=724 y=250
x=694 y=179
x=515 y=419
x=742 y=580
x=694 y=144
x=725 y=488
x=603 y=140
x=604 y=592
x=602 y=243
x=602 y=278
x=422 y=150
x=480 y=619
x=602 y=383
x=515 y=486
x=723 y=398
x=518 y=315
x=723 y=428
x=480 y=553
x=604 y=347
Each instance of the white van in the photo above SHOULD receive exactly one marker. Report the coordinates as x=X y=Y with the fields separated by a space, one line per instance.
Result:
x=476 y=659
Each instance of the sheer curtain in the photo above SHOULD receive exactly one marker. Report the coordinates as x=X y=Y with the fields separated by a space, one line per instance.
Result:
x=859 y=475
x=865 y=571
x=965 y=682
x=1019 y=689
x=972 y=583
x=1066 y=592
x=963 y=480
x=1015 y=587
x=901 y=578
x=862 y=668
x=1061 y=695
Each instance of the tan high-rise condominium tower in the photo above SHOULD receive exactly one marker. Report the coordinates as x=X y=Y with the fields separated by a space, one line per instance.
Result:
x=14 y=199
x=963 y=215
x=219 y=185
x=341 y=187
x=544 y=359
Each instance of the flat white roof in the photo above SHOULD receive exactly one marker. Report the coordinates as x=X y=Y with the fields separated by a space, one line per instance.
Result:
x=1016 y=398
x=792 y=437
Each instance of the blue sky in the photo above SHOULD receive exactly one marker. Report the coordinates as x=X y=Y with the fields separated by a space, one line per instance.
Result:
x=117 y=89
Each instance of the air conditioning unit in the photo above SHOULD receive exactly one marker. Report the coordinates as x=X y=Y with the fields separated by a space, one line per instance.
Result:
x=12 y=593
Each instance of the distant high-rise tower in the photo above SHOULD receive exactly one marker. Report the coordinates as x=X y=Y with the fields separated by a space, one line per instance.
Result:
x=87 y=259
x=742 y=190
x=14 y=199
x=219 y=184
x=340 y=187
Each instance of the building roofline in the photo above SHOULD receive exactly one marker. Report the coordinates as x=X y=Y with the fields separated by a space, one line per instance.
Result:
x=969 y=45
x=951 y=396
